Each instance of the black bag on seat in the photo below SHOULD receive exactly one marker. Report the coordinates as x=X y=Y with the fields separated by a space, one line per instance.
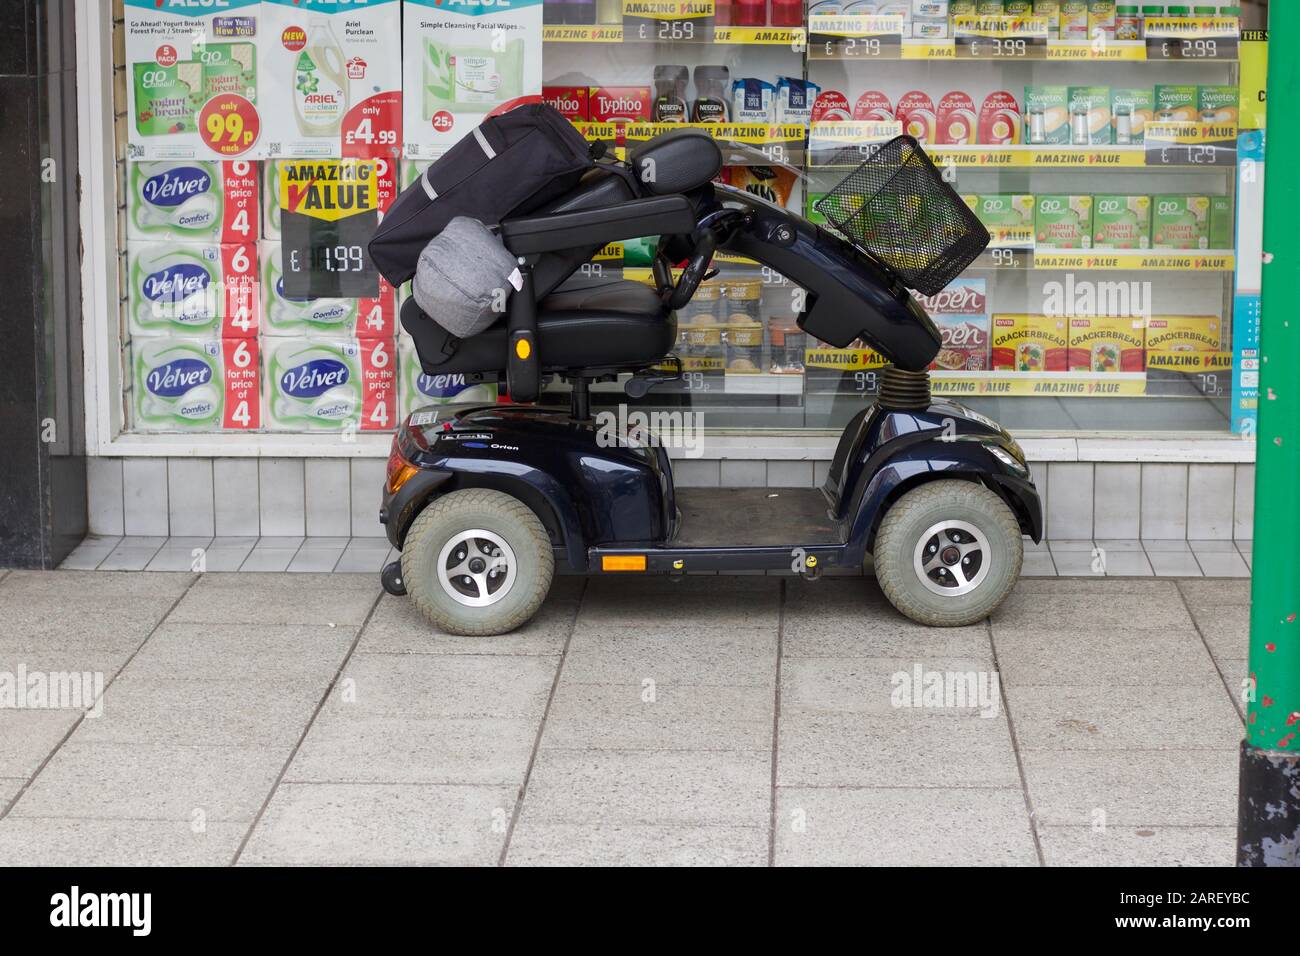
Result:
x=508 y=165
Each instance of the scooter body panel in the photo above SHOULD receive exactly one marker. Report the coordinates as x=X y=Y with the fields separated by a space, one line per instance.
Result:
x=602 y=495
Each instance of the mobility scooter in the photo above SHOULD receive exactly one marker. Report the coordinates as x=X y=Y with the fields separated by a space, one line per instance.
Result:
x=488 y=502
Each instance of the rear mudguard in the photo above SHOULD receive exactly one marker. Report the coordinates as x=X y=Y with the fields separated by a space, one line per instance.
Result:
x=585 y=488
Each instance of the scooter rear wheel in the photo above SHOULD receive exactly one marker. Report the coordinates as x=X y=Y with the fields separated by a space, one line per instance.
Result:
x=477 y=562
x=948 y=553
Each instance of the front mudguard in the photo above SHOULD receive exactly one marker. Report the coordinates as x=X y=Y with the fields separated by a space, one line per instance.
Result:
x=966 y=458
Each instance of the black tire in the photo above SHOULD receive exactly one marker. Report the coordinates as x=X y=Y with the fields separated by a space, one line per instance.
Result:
x=439 y=534
x=989 y=569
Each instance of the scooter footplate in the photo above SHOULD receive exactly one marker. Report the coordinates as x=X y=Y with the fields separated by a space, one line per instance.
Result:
x=753 y=517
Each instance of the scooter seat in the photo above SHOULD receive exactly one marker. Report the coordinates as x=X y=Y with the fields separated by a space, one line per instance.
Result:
x=584 y=324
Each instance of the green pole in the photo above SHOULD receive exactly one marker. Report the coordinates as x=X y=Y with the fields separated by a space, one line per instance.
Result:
x=1268 y=821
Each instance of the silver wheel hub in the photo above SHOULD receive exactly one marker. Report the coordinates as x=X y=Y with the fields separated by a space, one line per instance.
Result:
x=476 y=568
x=952 y=558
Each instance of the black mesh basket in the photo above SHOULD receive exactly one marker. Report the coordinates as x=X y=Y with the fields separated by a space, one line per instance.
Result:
x=897 y=207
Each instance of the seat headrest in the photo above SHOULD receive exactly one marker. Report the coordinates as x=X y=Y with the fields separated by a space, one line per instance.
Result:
x=676 y=162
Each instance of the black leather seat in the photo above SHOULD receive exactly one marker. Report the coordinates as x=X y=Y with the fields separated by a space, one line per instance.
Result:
x=584 y=324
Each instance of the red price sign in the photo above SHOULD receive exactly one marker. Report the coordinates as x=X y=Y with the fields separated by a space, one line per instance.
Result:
x=230 y=124
x=373 y=127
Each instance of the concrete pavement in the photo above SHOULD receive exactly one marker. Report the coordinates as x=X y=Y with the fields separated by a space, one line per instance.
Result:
x=304 y=718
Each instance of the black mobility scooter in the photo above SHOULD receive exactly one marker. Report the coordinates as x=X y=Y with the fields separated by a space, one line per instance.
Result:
x=488 y=502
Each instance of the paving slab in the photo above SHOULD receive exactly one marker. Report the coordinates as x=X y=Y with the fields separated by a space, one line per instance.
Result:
x=583 y=844
x=28 y=841
x=877 y=635
x=1139 y=846
x=676 y=788
x=397 y=627
x=28 y=736
x=867 y=750
x=340 y=599
x=84 y=610
x=1170 y=787
x=152 y=782
x=200 y=713
x=344 y=747
x=1226 y=629
x=902 y=827
x=9 y=787
x=1157 y=609
x=876 y=685
x=1215 y=592
x=1102 y=718
x=423 y=685
x=603 y=653
x=1101 y=656
x=361 y=824
x=279 y=654
x=665 y=716
x=723 y=601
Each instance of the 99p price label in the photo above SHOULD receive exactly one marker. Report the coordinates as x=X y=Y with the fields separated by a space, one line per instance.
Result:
x=229 y=125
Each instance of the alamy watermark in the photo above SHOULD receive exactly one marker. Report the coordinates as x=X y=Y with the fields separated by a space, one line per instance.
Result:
x=52 y=690
x=950 y=690
x=657 y=428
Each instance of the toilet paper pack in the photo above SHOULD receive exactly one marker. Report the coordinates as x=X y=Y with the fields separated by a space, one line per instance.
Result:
x=193 y=200
x=332 y=78
x=180 y=383
x=193 y=289
x=324 y=384
x=418 y=389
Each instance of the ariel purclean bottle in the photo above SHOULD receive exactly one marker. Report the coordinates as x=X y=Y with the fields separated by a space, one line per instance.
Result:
x=320 y=85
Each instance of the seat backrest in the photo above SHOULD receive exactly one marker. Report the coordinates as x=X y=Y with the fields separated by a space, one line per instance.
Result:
x=599 y=188
x=675 y=162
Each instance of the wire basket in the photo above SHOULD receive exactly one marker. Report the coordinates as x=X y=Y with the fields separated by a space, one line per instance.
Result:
x=897 y=207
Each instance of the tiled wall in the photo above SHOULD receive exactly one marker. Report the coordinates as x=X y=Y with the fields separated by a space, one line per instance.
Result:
x=196 y=497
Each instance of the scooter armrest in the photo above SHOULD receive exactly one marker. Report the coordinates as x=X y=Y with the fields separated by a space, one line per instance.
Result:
x=656 y=216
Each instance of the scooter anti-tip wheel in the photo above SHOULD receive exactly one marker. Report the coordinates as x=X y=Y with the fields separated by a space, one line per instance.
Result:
x=948 y=553
x=391 y=578
x=477 y=562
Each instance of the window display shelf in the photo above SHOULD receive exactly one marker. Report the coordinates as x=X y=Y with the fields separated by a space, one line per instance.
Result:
x=1100 y=260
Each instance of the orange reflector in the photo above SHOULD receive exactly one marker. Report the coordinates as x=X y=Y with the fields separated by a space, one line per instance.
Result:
x=622 y=562
x=523 y=348
x=401 y=476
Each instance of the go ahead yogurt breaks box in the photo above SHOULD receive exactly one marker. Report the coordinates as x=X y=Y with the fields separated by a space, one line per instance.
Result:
x=328 y=384
x=192 y=289
x=193 y=201
x=195 y=384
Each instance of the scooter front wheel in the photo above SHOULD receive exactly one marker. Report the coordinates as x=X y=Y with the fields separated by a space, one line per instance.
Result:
x=477 y=562
x=948 y=553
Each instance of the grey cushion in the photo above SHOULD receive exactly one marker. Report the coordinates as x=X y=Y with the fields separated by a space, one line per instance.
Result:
x=465 y=277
